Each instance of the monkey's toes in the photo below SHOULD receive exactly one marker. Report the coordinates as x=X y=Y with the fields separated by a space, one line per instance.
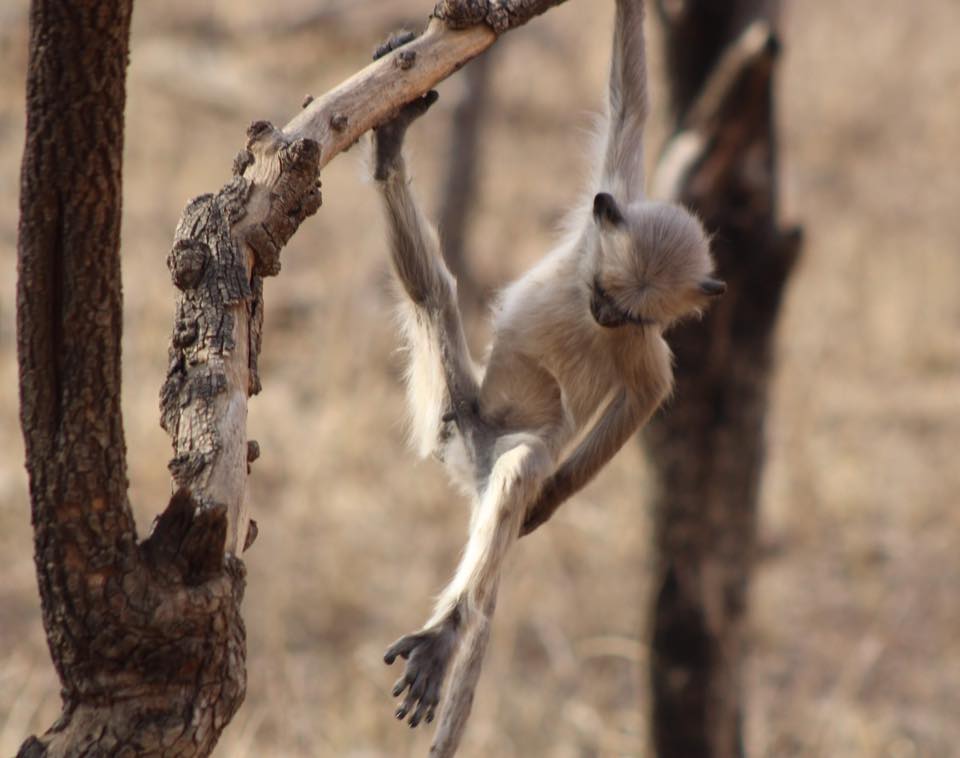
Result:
x=402 y=647
x=427 y=655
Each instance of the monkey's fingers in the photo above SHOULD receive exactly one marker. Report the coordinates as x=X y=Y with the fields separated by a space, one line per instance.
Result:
x=395 y=40
x=425 y=709
x=432 y=697
x=416 y=108
x=426 y=102
x=414 y=696
x=400 y=685
x=402 y=647
x=402 y=711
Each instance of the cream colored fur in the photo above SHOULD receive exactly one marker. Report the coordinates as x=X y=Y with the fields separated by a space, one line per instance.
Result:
x=560 y=393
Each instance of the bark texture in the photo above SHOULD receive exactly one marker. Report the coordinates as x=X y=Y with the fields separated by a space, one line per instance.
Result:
x=146 y=639
x=223 y=247
x=499 y=15
x=708 y=447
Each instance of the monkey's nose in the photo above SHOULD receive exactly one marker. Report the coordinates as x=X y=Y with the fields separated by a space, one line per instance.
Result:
x=713 y=287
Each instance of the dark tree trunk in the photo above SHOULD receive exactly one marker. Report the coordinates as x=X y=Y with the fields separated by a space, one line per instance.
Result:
x=147 y=639
x=707 y=449
x=460 y=186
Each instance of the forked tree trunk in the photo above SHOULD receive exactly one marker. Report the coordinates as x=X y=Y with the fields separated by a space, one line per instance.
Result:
x=707 y=449
x=147 y=637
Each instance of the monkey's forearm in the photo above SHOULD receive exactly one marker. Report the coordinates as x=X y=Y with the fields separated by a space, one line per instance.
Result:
x=623 y=159
x=622 y=418
x=388 y=156
x=414 y=249
x=434 y=320
x=628 y=69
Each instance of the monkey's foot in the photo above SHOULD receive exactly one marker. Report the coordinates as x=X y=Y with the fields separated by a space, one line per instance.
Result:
x=427 y=654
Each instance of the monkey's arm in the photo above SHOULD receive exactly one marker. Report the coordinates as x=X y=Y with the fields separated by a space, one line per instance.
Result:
x=623 y=157
x=621 y=419
x=440 y=377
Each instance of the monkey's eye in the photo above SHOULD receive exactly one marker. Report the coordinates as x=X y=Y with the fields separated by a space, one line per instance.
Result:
x=607 y=313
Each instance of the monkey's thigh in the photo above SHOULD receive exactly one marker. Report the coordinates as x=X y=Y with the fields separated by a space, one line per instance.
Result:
x=521 y=463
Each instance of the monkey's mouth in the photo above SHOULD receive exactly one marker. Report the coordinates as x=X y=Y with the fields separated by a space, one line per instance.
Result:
x=608 y=314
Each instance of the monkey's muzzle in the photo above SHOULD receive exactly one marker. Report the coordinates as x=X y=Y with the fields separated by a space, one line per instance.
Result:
x=608 y=314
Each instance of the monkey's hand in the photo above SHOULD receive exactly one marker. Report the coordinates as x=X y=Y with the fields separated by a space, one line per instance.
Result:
x=427 y=654
x=388 y=137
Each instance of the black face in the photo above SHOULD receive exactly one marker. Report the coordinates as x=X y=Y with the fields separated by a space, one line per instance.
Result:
x=608 y=314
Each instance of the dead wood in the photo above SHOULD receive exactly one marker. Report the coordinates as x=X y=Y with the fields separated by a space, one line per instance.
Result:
x=147 y=638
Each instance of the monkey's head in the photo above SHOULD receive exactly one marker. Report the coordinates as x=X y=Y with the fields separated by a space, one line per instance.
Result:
x=652 y=264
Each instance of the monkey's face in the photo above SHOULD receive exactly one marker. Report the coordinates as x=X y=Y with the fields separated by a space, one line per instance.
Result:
x=653 y=265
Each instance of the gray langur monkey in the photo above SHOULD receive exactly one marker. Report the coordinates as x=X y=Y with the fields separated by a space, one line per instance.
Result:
x=577 y=365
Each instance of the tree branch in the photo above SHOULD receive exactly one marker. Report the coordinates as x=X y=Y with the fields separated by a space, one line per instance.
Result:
x=147 y=638
x=458 y=31
x=226 y=243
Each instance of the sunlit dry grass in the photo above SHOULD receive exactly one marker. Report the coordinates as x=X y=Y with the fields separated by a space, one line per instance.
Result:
x=855 y=617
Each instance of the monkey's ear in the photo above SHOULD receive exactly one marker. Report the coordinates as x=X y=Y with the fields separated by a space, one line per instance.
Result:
x=712 y=287
x=606 y=210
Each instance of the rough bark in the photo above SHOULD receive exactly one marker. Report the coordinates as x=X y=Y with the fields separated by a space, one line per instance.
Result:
x=707 y=449
x=147 y=638
x=499 y=15
x=223 y=247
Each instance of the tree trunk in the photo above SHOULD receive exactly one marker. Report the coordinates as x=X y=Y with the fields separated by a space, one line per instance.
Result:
x=147 y=638
x=132 y=628
x=460 y=186
x=707 y=450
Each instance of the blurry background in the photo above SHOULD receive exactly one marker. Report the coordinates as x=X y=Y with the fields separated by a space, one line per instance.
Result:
x=855 y=630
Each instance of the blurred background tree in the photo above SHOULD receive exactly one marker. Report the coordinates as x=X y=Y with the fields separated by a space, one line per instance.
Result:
x=708 y=446
x=851 y=633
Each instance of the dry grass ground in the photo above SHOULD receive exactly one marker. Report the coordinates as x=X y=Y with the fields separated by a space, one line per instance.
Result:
x=856 y=612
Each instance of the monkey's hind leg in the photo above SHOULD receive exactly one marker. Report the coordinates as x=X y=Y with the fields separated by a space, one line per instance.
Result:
x=464 y=676
x=464 y=610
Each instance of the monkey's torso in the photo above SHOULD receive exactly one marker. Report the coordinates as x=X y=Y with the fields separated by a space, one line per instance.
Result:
x=552 y=366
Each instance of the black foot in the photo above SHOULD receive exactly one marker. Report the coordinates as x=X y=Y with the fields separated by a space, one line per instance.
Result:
x=427 y=654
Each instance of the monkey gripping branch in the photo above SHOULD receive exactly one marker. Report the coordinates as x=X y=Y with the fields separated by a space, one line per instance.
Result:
x=147 y=637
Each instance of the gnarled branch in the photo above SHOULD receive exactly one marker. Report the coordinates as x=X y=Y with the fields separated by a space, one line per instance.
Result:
x=226 y=243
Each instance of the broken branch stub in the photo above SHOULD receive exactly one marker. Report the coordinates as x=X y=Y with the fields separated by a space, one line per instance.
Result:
x=223 y=246
x=226 y=243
